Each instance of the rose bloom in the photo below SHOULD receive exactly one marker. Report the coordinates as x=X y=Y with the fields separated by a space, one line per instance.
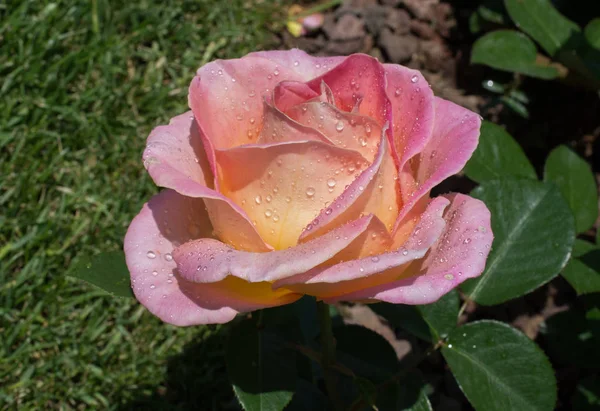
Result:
x=296 y=175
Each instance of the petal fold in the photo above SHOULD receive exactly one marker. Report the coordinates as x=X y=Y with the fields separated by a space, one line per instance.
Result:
x=165 y=222
x=460 y=253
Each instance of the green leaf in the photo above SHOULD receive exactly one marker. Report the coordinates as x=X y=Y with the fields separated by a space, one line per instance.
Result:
x=574 y=177
x=512 y=51
x=542 y=21
x=365 y=352
x=500 y=369
x=592 y=33
x=572 y=337
x=429 y=322
x=261 y=368
x=587 y=395
x=516 y=106
x=406 y=317
x=583 y=269
x=497 y=155
x=408 y=394
x=533 y=236
x=106 y=271
x=441 y=315
x=493 y=86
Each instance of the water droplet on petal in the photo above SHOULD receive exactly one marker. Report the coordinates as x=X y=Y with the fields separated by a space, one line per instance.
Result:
x=375 y=259
x=362 y=141
x=331 y=182
x=168 y=257
x=268 y=213
x=449 y=277
x=414 y=79
x=152 y=286
x=339 y=126
x=310 y=192
x=155 y=273
x=151 y=254
x=296 y=63
x=258 y=199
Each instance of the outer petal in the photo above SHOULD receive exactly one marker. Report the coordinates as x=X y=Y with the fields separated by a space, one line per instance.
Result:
x=208 y=261
x=175 y=151
x=455 y=136
x=227 y=94
x=375 y=191
x=165 y=222
x=360 y=79
x=459 y=254
x=412 y=111
x=355 y=275
x=283 y=186
x=304 y=66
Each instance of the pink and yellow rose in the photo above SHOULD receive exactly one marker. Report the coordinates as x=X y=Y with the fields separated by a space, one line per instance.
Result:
x=296 y=175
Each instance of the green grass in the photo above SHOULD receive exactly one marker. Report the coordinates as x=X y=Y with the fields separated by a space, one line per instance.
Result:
x=81 y=84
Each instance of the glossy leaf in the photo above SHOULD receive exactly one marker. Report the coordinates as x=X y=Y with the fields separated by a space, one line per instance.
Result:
x=592 y=33
x=533 y=235
x=261 y=367
x=407 y=394
x=574 y=177
x=512 y=51
x=516 y=106
x=498 y=155
x=106 y=271
x=583 y=269
x=542 y=22
x=499 y=368
x=441 y=315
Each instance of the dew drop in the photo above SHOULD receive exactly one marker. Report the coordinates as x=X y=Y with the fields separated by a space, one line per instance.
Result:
x=252 y=120
x=168 y=257
x=276 y=218
x=362 y=141
x=414 y=79
x=151 y=254
x=467 y=241
x=258 y=199
x=449 y=277
x=310 y=192
x=296 y=63
x=331 y=182
x=339 y=126
x=397 y=92
x=268 y=213
x=328 y=211
x=155 y=273
x=268 y=198
x=375 y=259
x=152 y=286
x=288 y=199
x=405 y=252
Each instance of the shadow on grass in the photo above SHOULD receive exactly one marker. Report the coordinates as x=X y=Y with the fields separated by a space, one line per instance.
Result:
x=196 y=379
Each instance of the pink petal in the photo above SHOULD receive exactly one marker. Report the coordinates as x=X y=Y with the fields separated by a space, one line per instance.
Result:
x=412 y=111
x=347 y=130
x=209 y=261
x=328 y=282
x=305 y=66
x=278 y=128
x=175 y=152
x=358 y=78
x=374 y=191
x=283 y=186
x=454 y=138
x=459 y=254
x=166 y=221
x=287 y=94
x=226 y=95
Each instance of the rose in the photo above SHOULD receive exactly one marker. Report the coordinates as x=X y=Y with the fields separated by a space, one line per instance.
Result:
x=296 y=175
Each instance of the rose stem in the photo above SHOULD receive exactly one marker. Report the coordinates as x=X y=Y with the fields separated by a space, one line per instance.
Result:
x=328 y=353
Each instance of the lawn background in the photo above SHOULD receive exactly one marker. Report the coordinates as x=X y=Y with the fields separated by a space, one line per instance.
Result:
x=82 y=83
